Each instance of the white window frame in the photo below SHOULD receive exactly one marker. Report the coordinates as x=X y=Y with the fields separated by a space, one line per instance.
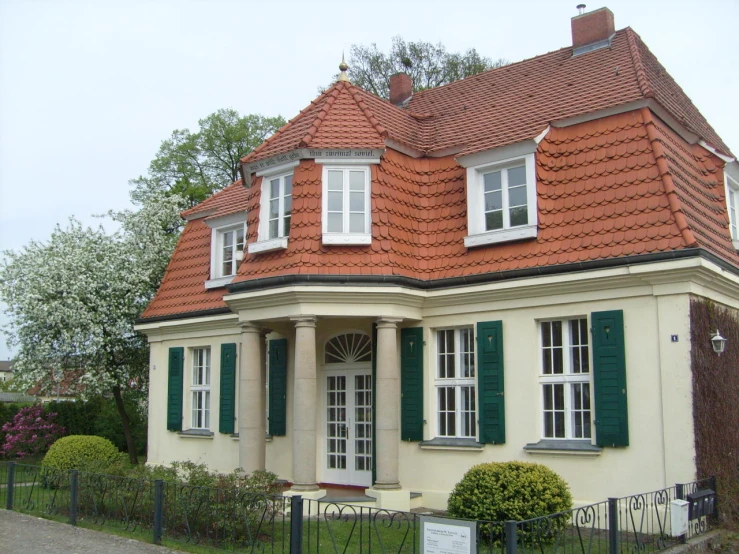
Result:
x=478 y=235
x=347 y=237
x=200 y=388
x=220 y=226
x=459 y=384
x=264 y=242
x=568 y=379
x=732 y=207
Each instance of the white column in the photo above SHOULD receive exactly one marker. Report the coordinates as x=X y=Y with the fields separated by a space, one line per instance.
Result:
x=304 y=405
x=252 y=436
x=387 y=399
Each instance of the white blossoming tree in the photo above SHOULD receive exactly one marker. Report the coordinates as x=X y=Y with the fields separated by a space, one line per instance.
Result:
x=74 y=299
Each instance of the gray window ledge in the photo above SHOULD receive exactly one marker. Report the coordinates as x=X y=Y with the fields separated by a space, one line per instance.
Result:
x=566 y=447
x=447 y=443
x=196 y=434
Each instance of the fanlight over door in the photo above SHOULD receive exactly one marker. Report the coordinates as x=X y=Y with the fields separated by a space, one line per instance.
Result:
x=348 y=348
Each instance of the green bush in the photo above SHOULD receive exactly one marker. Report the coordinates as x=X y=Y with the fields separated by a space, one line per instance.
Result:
x=79 y=452
x=509 y=491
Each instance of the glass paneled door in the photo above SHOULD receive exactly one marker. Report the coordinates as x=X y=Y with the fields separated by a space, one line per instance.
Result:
x=348 y=443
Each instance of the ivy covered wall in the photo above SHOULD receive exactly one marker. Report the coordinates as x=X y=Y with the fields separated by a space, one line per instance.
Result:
x=716 y=401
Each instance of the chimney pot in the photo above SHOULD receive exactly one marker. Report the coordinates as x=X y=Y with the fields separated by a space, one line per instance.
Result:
x=592 y=27
x=401 y=88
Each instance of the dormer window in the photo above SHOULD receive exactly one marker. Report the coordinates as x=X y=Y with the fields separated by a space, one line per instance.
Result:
x=231 y=249
x=346 y=205
x=275 y=209
x=501 y=201
x=226 y=248
x=732 y=204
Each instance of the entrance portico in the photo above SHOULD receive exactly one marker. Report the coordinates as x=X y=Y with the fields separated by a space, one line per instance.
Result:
x=345 y=411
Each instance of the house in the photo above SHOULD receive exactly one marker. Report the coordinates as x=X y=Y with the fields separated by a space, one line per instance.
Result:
x=6 y=371
x=497 y=269
x=60 y=386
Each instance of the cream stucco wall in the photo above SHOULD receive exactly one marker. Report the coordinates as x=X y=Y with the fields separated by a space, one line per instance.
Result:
x=655 y=302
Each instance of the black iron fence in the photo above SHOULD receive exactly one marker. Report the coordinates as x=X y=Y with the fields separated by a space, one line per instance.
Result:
x=245 y=521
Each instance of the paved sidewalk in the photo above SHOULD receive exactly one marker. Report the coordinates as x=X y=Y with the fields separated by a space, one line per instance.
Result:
x=24 y=534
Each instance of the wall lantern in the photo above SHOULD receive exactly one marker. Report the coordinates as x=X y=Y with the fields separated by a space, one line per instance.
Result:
x=718 y=342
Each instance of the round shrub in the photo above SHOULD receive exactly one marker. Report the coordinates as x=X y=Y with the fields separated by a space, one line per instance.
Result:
x=508 y=491
x=79 y=452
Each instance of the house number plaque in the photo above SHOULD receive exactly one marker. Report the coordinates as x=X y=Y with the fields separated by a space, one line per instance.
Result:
x=447 y=536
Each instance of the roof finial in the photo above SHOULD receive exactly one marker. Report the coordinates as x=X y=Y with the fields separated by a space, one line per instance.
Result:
x=343 y=68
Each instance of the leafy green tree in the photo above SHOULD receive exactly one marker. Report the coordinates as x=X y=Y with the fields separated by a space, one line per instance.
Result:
x=428 y=65
x=73 y=301
x=194 y=165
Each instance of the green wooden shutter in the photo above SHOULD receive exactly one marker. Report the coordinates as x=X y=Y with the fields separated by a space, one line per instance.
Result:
x=227 y=400
x=411 y=384
x=278 y=387
x=490 y=381
x=609 y=376
x=174 y=388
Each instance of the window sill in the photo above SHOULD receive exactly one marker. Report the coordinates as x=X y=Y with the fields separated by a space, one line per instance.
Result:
x=563 y=448
x=347 y=239
x=500 y=235
x=196 y=434
x=218 y=282
x=280 y=243
x=736 y=244
x=448 y=443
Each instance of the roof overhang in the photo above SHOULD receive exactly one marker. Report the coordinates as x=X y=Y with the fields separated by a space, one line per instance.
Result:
x=320 y=155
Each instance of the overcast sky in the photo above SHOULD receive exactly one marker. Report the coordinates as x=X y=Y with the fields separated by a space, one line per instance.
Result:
x=88 y=90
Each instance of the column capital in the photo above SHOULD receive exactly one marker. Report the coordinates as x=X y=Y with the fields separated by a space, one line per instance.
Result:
x=250 y=327
x=388 y=322
x=304 y=320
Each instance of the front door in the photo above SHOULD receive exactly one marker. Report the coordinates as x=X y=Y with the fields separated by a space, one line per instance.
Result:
x=348 y=443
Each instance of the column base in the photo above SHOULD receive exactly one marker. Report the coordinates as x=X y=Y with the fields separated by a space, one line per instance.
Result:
x=315 y=494
x=390 y=499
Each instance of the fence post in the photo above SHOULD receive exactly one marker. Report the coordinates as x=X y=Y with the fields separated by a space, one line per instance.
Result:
x=680 y=495
x=296 y=524
x=158 y=510
x=74 y=477
x=11 y=482
x=511 y=537
x=613 y=525
x=712 y=484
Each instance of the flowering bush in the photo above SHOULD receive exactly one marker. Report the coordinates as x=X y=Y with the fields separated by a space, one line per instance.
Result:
x=30 y=433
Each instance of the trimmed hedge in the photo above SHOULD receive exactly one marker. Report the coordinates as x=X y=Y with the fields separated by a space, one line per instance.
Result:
x=509 y=491
x=79 y=452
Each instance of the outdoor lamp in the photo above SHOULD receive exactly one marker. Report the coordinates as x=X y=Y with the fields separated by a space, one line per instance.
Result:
x=718 y=342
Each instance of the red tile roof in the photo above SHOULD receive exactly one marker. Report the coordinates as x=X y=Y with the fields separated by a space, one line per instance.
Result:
x=617 y=186
x=502 y=106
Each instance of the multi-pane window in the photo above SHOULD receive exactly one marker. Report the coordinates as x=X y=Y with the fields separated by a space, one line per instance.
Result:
x=455 y=383
x=565 y=379
x=230 y=242
x=200 y=388
x=505 y=198
x=732 y=200
x=280 y=190
x=346 y=200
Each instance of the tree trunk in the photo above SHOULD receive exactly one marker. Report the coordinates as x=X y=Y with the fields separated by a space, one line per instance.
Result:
x=126 y=425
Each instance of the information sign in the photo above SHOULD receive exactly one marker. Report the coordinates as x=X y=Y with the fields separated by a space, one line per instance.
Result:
x=447 y=536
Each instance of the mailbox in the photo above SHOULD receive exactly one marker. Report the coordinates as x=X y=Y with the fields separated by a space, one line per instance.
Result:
x=701 y=503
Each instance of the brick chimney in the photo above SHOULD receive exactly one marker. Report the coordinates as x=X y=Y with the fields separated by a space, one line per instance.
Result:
x=592 y=30
x=401 y=88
